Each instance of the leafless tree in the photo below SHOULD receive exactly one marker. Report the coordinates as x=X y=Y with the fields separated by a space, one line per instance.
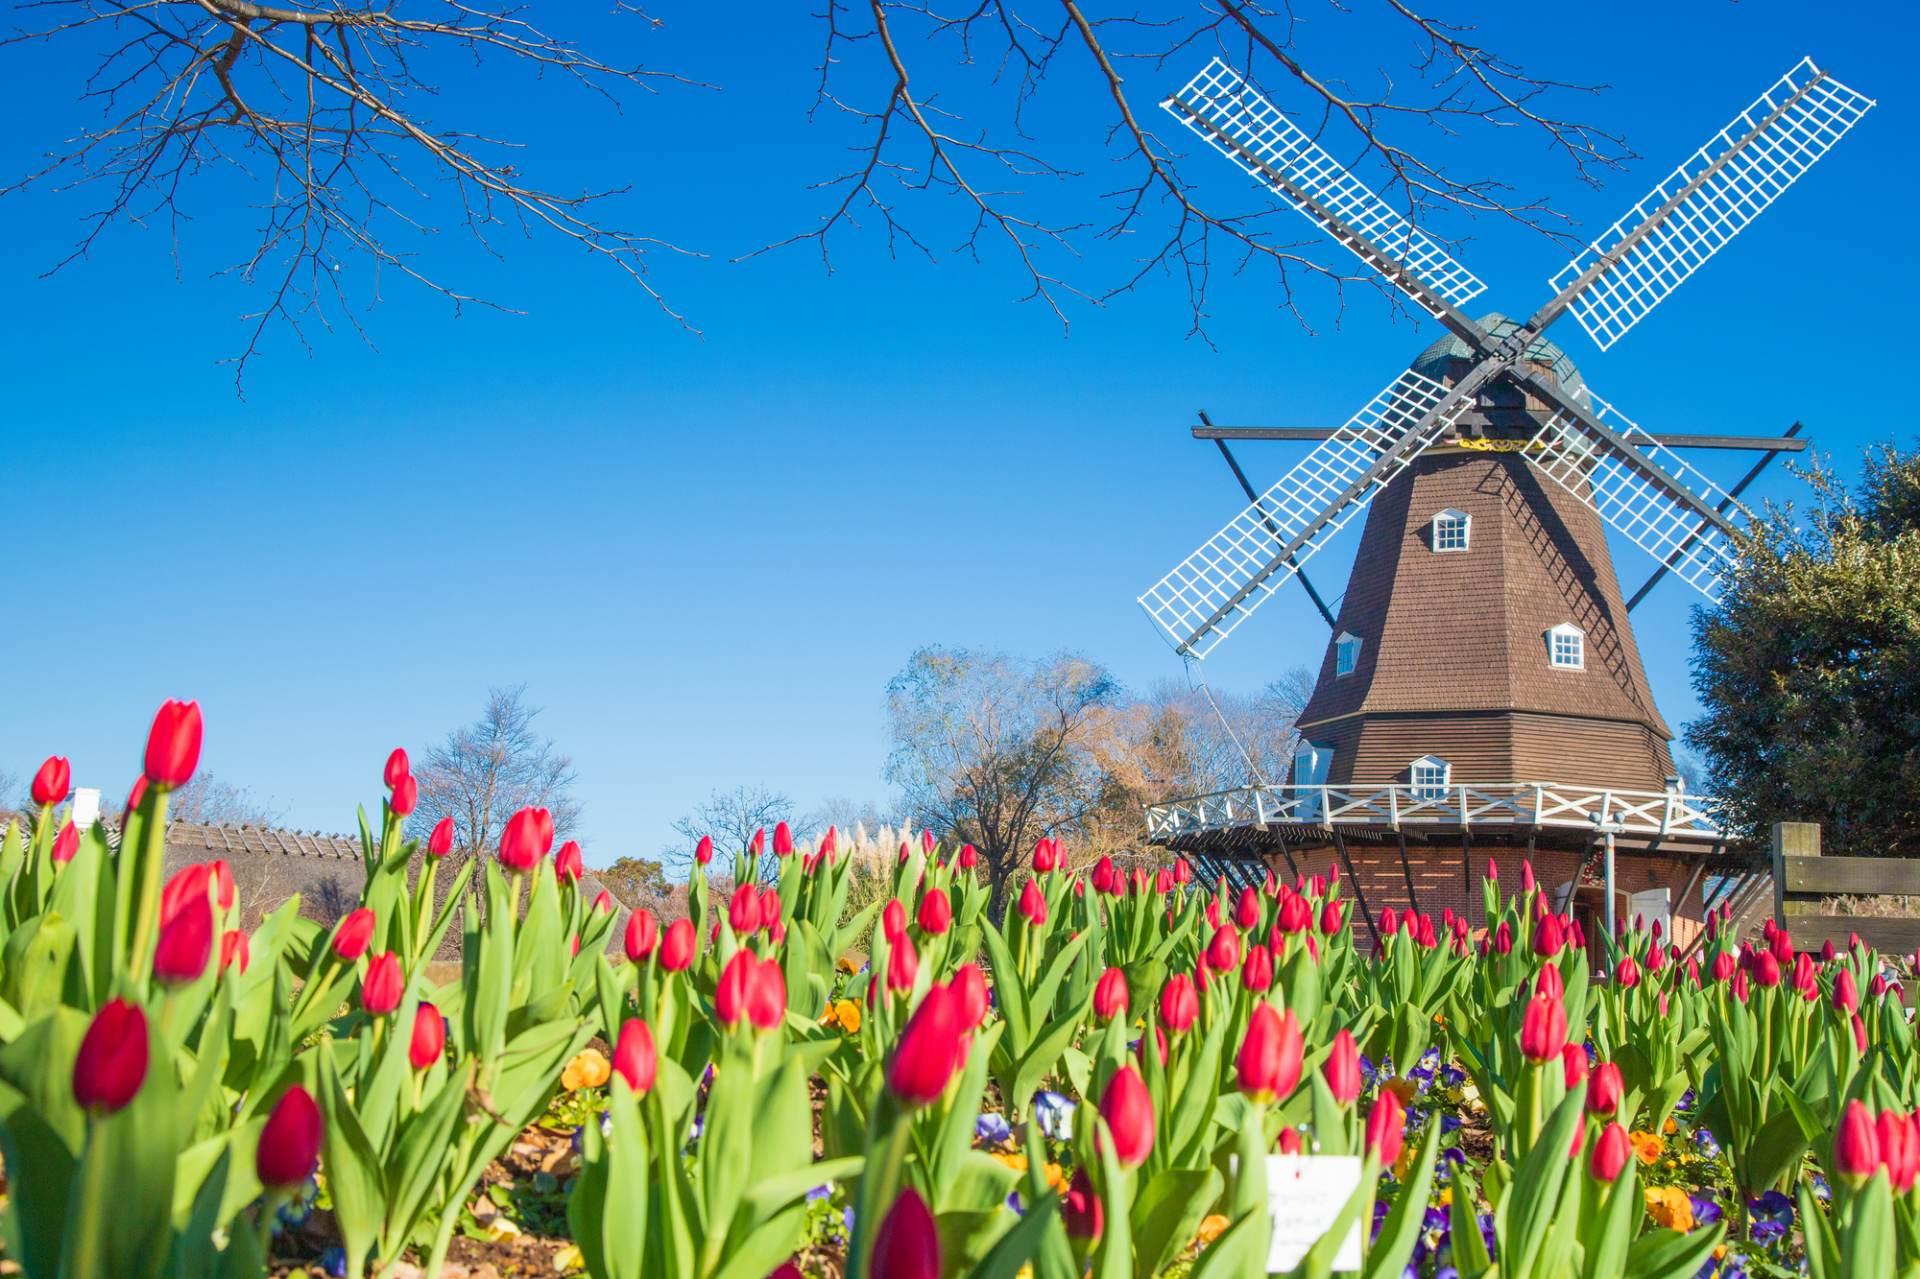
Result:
x=321 y=106
x=731 y=817
x=996 y=750
x=484 y=773
x=210 y=801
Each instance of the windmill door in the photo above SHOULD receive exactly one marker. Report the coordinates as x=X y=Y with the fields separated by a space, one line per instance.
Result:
x=1310 y=765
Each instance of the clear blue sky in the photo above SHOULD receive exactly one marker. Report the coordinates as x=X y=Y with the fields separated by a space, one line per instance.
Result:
x=706 y=555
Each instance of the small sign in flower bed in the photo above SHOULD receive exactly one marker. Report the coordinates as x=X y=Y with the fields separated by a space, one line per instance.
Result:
x=1133 y=1074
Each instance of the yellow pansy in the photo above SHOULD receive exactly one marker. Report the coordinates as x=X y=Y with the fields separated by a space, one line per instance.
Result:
x=1646 y=1147
x=1670 y=1206
x=589 y=1069
x=845 y=1014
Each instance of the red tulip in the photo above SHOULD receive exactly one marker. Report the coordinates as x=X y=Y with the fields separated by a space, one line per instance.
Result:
x=1081 y=1210
x=1543 y=1030
x=1389 y=922
x=1128 y=1110
x=969 y=857
x=703 y=851
x=224 y=889
x=1179 y=1004
x=1386 y=1128
x=1295 y=913
x=1032 y=905
x=1609 y=1153
x=179 y=892
x=758 y=844
x=173 y=744
x=429 y=1036
x=634 y=1056
x=1573 y=1060
x=678 y=945
x=903 y=964
x=290 y=1143
x=1628 y=974
x=1503 y=939
x=53 y=780
x=397 y=768
x=1246 y=912
x=1548 y=937
x=1256 y=973
x=782 y=840
x=932 y=1048
x=186 y=943
x=1846 y=997
x=970 y=985
x=1342 y=1068
x=936 y=912
x=65 y=844
x=1269 y=1060
x=1856 y=1145
x=1182 y=871
x=1549 y=984
x=1766 y=969
x=730 y=996
x=1899 y=1148
x=384 y=984
x=643 y=934
x=521 y=845
x=767 y=995
x=1223 y=952
x=1723 y=966
x=1330 y=919
x=351 y=938
x=1110 y=995
x=907 y=1245
x=1606 y=1089
x=405 y=795
x=440 y=842
x=603 y=902
x=112 y=1063
x=233 y=947
x=136 y=792
x=1289 y=1141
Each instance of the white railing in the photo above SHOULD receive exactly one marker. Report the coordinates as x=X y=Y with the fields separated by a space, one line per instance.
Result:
x=1659 y=813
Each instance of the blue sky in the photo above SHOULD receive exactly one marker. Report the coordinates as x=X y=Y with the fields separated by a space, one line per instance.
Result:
x=706 y=555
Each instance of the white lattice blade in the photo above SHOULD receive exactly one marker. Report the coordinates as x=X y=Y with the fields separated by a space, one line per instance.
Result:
x=1233 y=572
x=1263 y=142
x=1589 y=467
x=1709 y=199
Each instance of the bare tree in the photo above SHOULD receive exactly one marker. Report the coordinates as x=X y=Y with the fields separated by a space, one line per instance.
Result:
x=322 y=107
x=995 y=749
x=212 y=802
x=731 y=817
x=484 y=773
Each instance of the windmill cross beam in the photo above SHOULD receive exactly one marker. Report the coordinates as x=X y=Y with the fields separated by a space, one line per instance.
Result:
x=1672 y=439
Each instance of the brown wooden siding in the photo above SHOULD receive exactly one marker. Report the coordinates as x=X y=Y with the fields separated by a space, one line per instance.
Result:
x=1496 y=746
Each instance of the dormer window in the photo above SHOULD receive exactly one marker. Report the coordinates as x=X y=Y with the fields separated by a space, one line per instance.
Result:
x=1450 y=529
x=1429 y=775
x=1346 y=654
x=1567 y=647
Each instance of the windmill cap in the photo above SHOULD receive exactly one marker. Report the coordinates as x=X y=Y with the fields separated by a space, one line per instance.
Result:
x=1433 y=361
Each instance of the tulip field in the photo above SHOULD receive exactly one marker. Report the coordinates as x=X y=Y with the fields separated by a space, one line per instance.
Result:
x=1123 y=1077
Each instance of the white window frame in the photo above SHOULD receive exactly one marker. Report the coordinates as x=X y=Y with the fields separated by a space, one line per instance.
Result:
x=1567 y=631
x=1346 y=654
x=1449 y=519
x=1428 y=788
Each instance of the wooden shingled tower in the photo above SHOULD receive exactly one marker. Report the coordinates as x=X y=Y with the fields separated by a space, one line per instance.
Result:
x=1481 y=681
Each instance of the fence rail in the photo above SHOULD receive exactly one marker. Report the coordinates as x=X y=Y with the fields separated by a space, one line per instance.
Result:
x=1656 y=813
x=1802 y=878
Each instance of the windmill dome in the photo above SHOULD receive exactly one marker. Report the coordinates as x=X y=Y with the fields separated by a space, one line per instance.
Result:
x=1435 y=361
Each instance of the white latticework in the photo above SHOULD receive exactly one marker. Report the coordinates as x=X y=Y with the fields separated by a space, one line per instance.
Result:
x=1590 y=468
x=1218 y=586
x=1711 y=198
x=1262 y=142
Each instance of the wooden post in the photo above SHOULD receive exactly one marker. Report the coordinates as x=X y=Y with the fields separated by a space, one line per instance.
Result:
x=1790 y=839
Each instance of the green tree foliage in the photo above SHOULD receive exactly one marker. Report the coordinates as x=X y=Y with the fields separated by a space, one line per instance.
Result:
x=1810 y=666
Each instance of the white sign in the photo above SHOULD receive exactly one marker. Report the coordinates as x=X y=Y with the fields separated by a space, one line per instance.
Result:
x=1304 y=1194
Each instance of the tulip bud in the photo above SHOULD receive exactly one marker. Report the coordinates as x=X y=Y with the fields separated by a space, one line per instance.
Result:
x=112 y=1063
x=1899 y=1148
x=1128 y=1110
x=1846 y=997
x=932 y=1048
x=969 y=857
x=703 y=851
x=186 y=943
x=1503 y=939
x=568 y=864
x=52 y=782
x=1740 y=987
x=1080 y=1209
x=634 y=1056
x=521 y=845
x=1766 y=968
x=1032 y=905
x=1331 y=919
x=1610 y=1153
x=767 y=996
x=1223 y=952
x=730 y=995
x=406 y=794
x=1289 y=1141
x=1179 y=1004
x=1389 y=922
x=677 y=946
x=65 y=844
x=1256 y=973
x=903 y=964
x=1543 y=1030
x=1628 y=974
x=429 y=1040
x=1246 y=913
x=233 y=948
x=969 y=986
x=1342 y=1068
x=907 y=1244
x=354 y=934
x=1269 y=1060
x=1605 y=1091
x=290 y=1143
x=936 y=912
x=1548 y=937
x=1549 y=984
x=1573 y=1058
x=1386 y=1128
x=1856 y=1145
x=173 y=744
x=1110 y=995
x=643 y=934
x=440 y=841
x=1526 y=876
x=383 y=986
x=1723 y=966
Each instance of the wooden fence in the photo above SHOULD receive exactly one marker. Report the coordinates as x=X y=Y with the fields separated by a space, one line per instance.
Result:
x=1802 y=878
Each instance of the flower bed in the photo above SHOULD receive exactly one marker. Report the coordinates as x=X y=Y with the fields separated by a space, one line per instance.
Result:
x=1095 y=1084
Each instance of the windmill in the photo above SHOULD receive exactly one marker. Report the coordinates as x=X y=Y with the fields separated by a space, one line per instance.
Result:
x=1496 y=417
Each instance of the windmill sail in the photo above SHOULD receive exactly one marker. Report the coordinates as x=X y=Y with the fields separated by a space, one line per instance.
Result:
x=1640 y=505
x=1233 y=572
x=1242 y=125
x=1712 y=197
